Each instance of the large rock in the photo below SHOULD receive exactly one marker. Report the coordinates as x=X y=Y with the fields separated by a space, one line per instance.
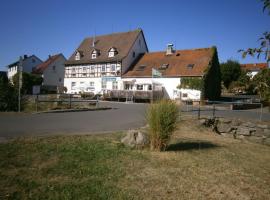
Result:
x=223 y=127
x=135 y=138
x=243 y=131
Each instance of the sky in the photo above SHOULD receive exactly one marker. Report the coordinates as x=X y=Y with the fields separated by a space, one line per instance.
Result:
x=47 y=27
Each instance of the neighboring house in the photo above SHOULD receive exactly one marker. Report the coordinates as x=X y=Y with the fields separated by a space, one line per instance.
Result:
x=173 y=65
x=99 y=62
x=28 y=63
x=253 y=68
x=52 y=70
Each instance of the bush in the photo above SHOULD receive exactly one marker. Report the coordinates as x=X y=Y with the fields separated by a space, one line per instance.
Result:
x=161 y=117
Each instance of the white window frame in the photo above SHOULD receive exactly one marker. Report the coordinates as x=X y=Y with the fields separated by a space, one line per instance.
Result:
x=73 y=84
x=139 y=87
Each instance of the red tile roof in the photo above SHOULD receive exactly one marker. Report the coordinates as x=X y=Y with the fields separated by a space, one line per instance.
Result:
x=191 y=62
x=43 y=66
x=103 y=43
x=254 y=66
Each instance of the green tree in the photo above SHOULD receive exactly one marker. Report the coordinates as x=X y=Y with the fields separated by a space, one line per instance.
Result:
x=28 y=81
x=8 y=96
x=262 y=84
x=191 y=83
x=230 y=71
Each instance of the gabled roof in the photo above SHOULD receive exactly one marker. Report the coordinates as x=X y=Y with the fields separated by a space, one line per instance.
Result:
x=121 y=41
x=43 y=66
x=191 y=62
x=254 y=66
x=25 y=57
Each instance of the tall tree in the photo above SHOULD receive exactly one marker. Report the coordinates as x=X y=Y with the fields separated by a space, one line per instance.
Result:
x=230 y=71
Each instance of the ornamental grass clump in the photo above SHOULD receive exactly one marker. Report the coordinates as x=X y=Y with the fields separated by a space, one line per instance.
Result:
x=162 y=118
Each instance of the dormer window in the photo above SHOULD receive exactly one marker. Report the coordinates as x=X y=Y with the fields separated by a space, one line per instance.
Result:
x=94 y=54
x=112 y=52
x=77 y=56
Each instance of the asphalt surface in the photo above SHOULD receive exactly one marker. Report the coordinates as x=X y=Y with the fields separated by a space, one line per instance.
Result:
x=122 y=116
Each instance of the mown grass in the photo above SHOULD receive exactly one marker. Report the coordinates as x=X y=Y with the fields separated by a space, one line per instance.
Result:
x=196 y=165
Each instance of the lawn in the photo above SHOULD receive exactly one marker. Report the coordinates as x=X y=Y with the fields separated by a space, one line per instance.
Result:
x=197 y=165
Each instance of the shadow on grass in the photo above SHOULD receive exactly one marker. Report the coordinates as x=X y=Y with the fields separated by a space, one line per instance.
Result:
x=191 y=145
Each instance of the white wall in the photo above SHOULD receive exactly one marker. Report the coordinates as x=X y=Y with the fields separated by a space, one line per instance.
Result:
x=169 y=84
x=83 y=84
x=138 y=47
x=55 y=77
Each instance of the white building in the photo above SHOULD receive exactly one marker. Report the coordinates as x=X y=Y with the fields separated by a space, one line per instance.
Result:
x=99 y=62
x=52 y=70
x=28 y=63
x=253 y=68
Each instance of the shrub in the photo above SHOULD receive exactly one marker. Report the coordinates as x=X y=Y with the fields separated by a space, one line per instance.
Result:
x=161 y=117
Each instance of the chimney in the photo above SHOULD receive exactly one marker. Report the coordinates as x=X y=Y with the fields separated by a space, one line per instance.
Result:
x=25 y=56
x=169 y=50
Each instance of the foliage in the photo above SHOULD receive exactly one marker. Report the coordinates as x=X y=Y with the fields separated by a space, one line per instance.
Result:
x=264 y=47
x=243 y=83
x=230 y=71
x=191 y=83
x=211 y=88
x=262 y=84
x=8 y=96
x=161 y=117
x=28 y=81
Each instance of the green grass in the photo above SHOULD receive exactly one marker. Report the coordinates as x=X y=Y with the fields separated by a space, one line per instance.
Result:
x=197 y=165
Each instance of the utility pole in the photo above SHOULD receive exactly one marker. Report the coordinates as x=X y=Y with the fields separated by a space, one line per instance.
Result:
x=20 y=84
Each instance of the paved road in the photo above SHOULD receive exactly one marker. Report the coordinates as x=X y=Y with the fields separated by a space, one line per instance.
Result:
x=121 y=117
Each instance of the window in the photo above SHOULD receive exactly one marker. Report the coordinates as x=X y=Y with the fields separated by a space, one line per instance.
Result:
x=92 y=84
x=113 y=67
x=114 y=85
x=33 y=60
x=94 y=54
x=84 y=74
x=139 y=87
x=184 y=95
x=84 y=69
x=190 y=66
x=73 y=75
x=103 y=68
x=81 y=83
x=77 y=56
x=103 y=84
x=112 y=52
x=133 y=54
x=53 y=67
x=149 y=87
x=73 y=85
x=60 y=79
x=73 y=69
x=92 y=68
x=140 y=43
x=141 y=68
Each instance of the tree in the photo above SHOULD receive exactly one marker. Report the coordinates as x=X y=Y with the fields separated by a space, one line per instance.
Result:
x=8 y=96
x=191 y=83
x=230 y=71
x=262 y=84
x=28 y=81
x=264 y=47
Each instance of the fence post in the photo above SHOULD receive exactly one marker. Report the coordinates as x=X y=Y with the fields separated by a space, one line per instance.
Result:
x=261 y=112
x=70 y=101
x=214 y=110
x=37 y=103
x=199 y=111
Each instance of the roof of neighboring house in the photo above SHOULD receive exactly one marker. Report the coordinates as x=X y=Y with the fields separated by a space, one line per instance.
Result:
x=254 y=66
x=103 y=43
x=191 y=62
x=43 y=66
x=25 y=57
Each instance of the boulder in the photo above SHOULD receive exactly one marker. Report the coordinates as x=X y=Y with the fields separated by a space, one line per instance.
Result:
x=223 y=127
x=249 y=125
x=135 y=138
x=263 y=126
x=243 y=131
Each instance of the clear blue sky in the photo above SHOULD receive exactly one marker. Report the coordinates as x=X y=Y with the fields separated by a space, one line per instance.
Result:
x=44 y=27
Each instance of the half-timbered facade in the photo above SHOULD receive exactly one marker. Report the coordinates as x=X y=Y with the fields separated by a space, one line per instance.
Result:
x=99 y=62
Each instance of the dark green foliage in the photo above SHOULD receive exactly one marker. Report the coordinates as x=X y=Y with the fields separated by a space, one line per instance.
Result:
x=8 y=96
x=230 y=71
x=191 y=83
x=161 y=117
x=211 y=89
x=28 y=81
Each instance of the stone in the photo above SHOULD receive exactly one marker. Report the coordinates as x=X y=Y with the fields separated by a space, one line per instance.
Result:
x=236 y=123
x=135 y=138
x=255 y=139
x=249 y=124
x=224 y=120
x=266 y=132
x=259 y=132
x=223 y=127
x=243 y=131
x=263 y=126
x=266 y=141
